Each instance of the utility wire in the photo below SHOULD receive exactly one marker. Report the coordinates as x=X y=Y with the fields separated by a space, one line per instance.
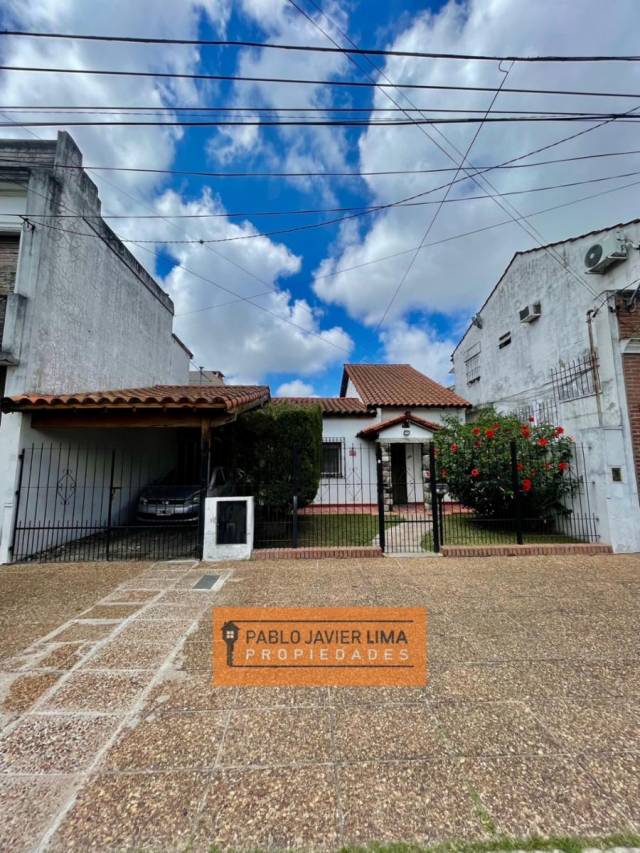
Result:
x=323 y=49
x=358 y=84
x=383 y=173
x=316 y=210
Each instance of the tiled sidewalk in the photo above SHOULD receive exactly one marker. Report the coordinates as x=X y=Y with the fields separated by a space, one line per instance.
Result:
x=529 y=723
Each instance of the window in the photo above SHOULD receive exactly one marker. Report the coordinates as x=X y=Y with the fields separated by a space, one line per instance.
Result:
x=331 y=459
x=472 y=363
x=504 y=340
x=616 y=475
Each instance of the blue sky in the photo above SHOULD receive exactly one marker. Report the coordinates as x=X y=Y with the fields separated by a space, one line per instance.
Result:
x=284 y=313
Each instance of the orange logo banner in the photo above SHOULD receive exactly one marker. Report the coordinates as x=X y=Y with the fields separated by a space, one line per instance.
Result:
x=320 y=646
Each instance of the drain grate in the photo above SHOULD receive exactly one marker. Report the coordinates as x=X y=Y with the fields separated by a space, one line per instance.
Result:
x=206 y=582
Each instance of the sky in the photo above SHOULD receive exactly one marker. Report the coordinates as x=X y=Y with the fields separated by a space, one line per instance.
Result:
x=290 y=308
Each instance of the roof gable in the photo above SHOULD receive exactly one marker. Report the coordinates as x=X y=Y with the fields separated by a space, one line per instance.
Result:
x=397 y=385
x=408 y=418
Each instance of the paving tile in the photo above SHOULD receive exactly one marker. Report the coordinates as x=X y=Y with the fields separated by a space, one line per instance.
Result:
x=448 y=647
x=84 y=631
x=139 y=596
x=368 y=734
x=24 y=690
x=63 y=656
x=196 y=657
x=27 y=806
x=418 y=802
x=183 y=692
x=543 y=796
x=492 y=728
x=608 y=725
x=169 y=613
x=281 y=697
x=172 y=741
x=111 y=611
x=619 y=777
x=269 y=809
x=277 y=737
x=128 y=656
x=102 y=692
x=151 y=632
x=481 y=681
x=347 y=697
x=50 y=743
x=148 y=812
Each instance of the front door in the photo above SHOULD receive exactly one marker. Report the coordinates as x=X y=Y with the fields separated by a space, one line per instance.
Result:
x=399 y=473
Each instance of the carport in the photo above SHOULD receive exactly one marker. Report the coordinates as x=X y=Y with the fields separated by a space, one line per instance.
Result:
x=91 y=454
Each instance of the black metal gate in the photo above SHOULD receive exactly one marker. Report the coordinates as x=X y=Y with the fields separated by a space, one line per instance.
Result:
x=433 y=517
x=96 y=503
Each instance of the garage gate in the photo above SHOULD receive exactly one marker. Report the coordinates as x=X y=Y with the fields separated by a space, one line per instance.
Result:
x=98 y=503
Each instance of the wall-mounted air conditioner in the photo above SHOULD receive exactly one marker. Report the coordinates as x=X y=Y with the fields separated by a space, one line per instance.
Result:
x=530 y=313
x=611 y=249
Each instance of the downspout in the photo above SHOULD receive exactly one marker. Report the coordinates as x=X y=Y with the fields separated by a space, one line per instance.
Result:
x=594 y=364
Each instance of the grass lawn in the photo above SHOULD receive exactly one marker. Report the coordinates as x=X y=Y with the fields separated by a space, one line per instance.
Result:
x=466 y=530
x=565 y=843
x=328 y=530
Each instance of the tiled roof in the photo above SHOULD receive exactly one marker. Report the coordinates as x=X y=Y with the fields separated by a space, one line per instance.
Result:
x=398 y=385
x=375 y=429
x=231 y=398
x=330 y=405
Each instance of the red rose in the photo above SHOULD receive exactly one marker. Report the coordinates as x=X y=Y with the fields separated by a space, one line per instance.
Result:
x=489 y=433
x=548 y=465
x=454 y=448
x=543 y=441
x=563 y=466
x=525 y=432
x=519 y=467
x=496 y=426
x=475 y=472
x=477 y=444
x=559 y=430
x=476 y=430
x=526 y=485
x=532 y=420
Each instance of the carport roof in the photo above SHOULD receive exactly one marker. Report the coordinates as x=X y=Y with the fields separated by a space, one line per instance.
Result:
x=229 y=398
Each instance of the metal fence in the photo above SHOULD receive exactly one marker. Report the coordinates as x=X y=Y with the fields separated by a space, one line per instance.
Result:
x=88 y=503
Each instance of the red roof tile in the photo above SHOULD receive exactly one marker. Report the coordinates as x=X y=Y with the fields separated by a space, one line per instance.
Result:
x=375 y=429
x=231 y=398
x=397 y=385
x=330 y=405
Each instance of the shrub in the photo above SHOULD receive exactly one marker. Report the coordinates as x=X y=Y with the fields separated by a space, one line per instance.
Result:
x=274 y=443
x=474 y=459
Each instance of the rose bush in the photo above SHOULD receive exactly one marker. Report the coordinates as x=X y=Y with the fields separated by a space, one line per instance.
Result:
x=475 y=461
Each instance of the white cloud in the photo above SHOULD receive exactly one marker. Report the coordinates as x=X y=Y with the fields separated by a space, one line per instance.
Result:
x=455 y=276
x=295 y=388
x=244 y=340
x=421 y=347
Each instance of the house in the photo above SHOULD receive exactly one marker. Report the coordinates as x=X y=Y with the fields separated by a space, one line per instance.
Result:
x=558 y=340
x=96 y=386
x=392 y=406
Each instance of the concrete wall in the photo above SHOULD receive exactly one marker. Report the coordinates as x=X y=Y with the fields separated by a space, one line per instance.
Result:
x=519 y=375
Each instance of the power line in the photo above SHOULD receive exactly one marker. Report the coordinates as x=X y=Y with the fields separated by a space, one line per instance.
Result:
x=439 y=242
x=358 y=84
x=307 y=122
x=316 y=210
x=324 y=49
x=352 y=174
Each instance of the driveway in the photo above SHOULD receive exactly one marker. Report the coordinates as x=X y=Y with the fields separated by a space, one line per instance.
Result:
x=114 y=739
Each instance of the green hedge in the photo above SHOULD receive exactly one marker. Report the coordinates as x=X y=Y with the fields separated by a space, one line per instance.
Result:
x=272 y=443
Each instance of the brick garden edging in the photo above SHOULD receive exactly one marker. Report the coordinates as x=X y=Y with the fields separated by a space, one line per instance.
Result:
x=315 y=553
x=523 y=550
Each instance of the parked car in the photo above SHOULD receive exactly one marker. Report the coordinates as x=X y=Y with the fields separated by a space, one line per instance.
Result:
x=167 y=501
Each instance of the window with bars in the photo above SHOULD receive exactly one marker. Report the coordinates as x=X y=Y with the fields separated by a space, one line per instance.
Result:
x=331 y=459
x=575 y=379
x=472 y=363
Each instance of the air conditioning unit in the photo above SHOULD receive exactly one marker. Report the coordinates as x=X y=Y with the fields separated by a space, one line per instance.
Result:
x=600 y=256
x=530 y=313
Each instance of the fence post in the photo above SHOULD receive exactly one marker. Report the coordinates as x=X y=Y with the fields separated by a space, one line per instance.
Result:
x=295 y=482
x=18 y=492
x=516 y=491
x=380 y=493
x=109 y=513
x=435 y=503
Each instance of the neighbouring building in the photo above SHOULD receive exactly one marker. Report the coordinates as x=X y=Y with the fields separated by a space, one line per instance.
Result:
x=391 y=405
x=80 y=317
x=206 y=377
x=558 y=340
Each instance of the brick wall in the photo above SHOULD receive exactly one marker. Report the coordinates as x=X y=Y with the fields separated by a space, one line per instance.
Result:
x=9 y=245
x=629 y=327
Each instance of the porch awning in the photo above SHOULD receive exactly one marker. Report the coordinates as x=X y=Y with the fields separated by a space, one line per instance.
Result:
x=374 y=431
